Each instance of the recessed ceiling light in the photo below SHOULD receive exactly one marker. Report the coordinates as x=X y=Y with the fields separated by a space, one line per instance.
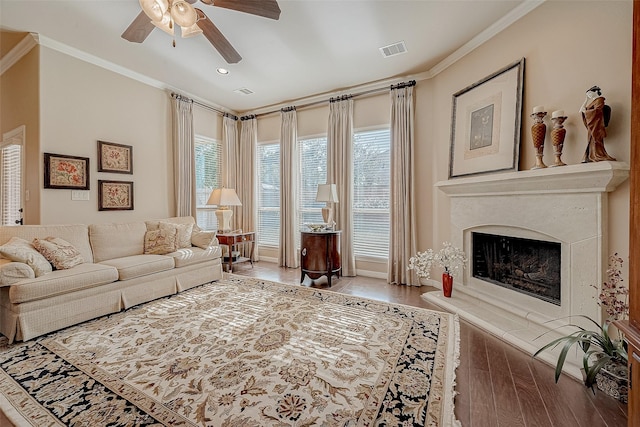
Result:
x=222 y=71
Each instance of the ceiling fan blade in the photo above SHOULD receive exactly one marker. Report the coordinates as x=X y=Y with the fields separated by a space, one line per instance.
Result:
x=217 y=39
x=139 y=29
x=267 y=8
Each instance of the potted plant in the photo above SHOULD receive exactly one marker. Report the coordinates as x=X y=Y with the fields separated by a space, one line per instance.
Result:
x=603 y=354
x=450 y=258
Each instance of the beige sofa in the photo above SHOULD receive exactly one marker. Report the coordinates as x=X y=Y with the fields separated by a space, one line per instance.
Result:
x=116 y=274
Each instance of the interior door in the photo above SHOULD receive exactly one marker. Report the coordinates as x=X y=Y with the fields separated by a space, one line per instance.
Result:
x=12 y=177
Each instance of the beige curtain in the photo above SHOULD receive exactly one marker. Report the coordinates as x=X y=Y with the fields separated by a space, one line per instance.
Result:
x=289 y=178
x=230 y=142
x=340 y=172
x=184 y=173
x=247 y=185
x=402 y=239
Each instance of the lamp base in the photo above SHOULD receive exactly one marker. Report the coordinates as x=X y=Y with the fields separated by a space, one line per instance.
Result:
x=224 y=220
x=327 y=215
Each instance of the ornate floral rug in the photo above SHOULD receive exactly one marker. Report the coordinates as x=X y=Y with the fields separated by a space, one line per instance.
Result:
x=240 y=352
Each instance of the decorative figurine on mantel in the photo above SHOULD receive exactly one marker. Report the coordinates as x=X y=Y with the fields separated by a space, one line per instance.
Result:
x=538 y=133
x=595 y=115
x=557 y=136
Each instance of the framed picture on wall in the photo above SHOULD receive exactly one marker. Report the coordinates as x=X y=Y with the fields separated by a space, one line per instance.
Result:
x=486 y=118
x=66 y=172
x=116 y=158
x=115 y=195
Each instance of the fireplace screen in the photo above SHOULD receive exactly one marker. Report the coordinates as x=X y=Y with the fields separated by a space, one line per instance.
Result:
x=528 y=266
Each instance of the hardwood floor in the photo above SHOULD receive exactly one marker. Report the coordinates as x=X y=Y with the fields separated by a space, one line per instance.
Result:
x=498 y=384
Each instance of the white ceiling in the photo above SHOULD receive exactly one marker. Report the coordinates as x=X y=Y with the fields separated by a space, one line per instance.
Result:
x=317 y=46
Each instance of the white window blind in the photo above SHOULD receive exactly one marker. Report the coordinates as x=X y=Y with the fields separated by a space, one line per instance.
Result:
x=269 y=194
x=208 y=165
x=371 y=185
x=313 y=171
x=11 y=173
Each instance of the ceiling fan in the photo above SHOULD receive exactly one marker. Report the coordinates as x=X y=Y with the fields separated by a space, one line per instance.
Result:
x=166 y=14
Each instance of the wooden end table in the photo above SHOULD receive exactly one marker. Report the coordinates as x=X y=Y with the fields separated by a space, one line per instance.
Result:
x=232 y=240
x=320 y=254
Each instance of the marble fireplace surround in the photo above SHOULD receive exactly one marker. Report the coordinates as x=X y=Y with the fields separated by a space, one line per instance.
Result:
x=567 y=205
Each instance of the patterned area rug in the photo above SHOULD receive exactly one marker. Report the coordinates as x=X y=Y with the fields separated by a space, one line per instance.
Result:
x=240 y=352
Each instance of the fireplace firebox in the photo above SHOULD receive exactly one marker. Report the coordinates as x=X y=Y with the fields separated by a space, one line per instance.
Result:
x=528 y=266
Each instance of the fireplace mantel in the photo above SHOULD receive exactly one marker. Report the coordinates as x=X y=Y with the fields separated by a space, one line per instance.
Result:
x=598 y=177
x=566 y=205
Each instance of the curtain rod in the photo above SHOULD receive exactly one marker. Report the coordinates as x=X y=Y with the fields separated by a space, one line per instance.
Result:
x=330 y=100
x=205 y=106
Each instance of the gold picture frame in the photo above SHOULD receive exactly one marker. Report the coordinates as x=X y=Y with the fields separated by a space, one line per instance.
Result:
x=486 y=120
x=66 y=172
x=115 y=158
x=115 y=195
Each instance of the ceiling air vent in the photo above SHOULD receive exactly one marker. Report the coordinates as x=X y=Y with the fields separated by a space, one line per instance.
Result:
x=393 y=49
x=243 y=91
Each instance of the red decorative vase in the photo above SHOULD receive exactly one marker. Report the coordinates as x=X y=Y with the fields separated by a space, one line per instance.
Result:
x=447 y=284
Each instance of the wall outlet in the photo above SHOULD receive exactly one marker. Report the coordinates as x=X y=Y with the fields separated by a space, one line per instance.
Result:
x=79 y=195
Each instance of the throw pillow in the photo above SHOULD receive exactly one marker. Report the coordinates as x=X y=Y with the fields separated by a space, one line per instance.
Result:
x=203 y=239
x=159 y=242
x=182 y=231
x=60 y=253
x=14 y=272
x=19 y=250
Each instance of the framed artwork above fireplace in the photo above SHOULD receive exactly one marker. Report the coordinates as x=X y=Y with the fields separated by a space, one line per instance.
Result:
x=485 y=123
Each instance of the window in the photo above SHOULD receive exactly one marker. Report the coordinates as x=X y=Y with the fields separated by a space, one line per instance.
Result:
x=208 y=164
x=313 y=171
x=371 y=193
x=269 y=194
x=11 y=187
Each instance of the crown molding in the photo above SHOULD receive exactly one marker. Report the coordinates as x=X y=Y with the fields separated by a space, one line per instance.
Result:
x=504 y=22
x=21 y=49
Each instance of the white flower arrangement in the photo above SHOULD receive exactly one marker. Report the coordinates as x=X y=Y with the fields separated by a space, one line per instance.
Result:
x=449 y=257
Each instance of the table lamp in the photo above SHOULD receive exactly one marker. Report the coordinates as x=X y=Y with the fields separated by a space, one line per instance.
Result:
x=223 y=198
x=327 y=193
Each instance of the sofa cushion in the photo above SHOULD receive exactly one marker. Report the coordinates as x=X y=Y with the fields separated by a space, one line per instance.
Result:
x=13 y=272
x=61 y=282
x=19 y=250
x=188 y=256
x=203 y=239
x=117 y=240
x=140 y=265
x=60 y=253
x=159 y=242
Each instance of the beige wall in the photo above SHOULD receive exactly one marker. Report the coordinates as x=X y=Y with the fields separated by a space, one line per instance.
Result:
x=84 y=104
x=19 y=99
x=568 y=47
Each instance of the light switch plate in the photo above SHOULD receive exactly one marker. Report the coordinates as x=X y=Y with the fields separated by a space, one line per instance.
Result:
x=79 y=195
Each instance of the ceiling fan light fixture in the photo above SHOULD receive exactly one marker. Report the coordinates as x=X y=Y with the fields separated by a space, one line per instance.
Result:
x=191 y=31
x=155 y=9
x=165 y=24
x=183 y=13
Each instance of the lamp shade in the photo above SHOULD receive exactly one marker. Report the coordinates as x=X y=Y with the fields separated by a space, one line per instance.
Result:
x=327 y=193
x=183 y=13
x=154 y=9
x=224 y=197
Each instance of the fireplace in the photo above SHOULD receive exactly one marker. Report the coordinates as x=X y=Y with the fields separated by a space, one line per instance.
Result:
x=528 y=266
x=537 y=248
